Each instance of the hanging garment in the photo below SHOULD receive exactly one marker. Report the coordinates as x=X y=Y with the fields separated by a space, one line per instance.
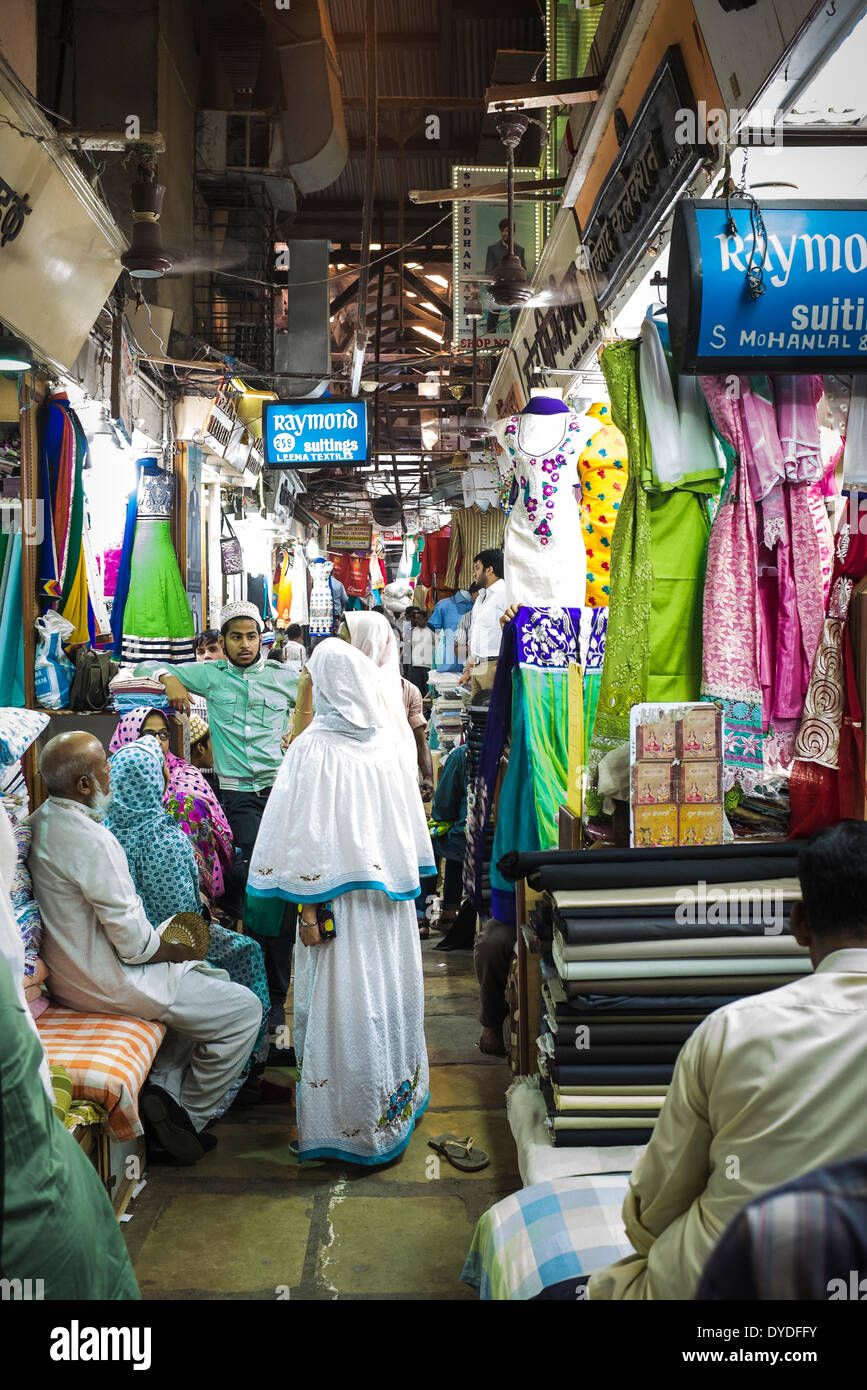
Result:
x=321 y=599
x=11 y=629
x=543 y=557
x=434 y=558
x=827 y=781
x=473 y=529
x=774 y=597
x=283 y=587
x=157 y=622
x=602 y=468
x=123 y=571
x=530 y=700
x=67 y=567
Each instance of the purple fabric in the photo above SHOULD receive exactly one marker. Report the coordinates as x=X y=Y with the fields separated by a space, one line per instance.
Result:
x=545 y=405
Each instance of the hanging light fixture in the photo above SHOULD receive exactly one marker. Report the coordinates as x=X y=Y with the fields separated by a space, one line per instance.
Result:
x=146 y=259
x=474 y=424
x=15 y=355
x=510 y=288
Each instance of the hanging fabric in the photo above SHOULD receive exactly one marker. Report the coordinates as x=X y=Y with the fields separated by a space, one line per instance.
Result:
x=123 y=570
x=157 y=623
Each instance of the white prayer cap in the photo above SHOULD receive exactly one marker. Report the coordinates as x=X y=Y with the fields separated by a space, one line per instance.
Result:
x=241 y=610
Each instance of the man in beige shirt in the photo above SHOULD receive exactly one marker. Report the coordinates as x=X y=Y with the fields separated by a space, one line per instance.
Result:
x=765 y=1090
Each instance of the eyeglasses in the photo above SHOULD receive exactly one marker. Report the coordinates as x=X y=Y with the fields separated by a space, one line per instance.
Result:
x=161 y=734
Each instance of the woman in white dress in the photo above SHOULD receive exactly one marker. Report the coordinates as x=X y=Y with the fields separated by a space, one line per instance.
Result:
x=345 y=825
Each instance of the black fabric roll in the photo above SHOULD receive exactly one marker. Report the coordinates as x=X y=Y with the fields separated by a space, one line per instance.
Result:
x=590 y=929
x=516 y=865
x=614 y=1034
x=662 y=873
x=641 y=1074
x=626 y=1053
x=600 y=1138
x=577 y=1006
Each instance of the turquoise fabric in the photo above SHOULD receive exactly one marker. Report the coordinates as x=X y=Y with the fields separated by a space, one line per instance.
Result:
x=12 y=633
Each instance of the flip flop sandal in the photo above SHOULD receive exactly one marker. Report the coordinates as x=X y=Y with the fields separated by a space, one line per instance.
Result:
x=460 y=1152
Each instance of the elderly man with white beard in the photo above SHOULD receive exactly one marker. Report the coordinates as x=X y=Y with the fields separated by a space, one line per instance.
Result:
x=104 y=956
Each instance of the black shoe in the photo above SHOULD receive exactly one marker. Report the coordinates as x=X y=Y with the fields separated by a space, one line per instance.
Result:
x=281 y=1056
x=172 y=1126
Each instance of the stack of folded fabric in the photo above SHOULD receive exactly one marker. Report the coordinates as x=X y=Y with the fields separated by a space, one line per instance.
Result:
x=130 y=691
x=645 y=944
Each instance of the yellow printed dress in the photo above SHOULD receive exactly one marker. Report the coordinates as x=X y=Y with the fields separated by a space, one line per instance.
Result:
x=602 y=470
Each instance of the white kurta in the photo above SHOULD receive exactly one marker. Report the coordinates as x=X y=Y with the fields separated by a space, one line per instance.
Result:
x=359 y=1033
x=543 y=550
x=97 y=939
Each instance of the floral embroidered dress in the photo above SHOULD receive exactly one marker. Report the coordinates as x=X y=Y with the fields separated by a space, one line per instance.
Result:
x=359 y=997
x=543 y=553
x=192 y=804
x=764 y=592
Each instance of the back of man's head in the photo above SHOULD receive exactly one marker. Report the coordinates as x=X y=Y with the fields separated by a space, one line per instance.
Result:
x=832 y=868
x=293 y=632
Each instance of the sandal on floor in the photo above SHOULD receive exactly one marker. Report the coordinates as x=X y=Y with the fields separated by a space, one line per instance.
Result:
x=460 y=1152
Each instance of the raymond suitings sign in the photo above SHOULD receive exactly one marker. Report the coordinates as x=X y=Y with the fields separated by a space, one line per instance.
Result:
x=655 y=162
x=314 y=434
x=812 y=315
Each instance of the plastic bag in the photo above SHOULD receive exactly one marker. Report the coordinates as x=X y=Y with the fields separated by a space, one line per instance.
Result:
x=54 y=670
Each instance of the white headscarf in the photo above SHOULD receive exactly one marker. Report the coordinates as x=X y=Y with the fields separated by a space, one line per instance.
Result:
x=372 y=634
x=345 y=813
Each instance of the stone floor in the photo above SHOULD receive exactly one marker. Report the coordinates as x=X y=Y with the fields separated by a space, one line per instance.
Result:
x=248 y=1222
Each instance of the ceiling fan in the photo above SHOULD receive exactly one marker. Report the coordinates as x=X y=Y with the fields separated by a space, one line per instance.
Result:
x=147 y=258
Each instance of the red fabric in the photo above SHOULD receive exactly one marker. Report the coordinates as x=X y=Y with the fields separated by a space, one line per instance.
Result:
x=434 y=557
x=351 y=568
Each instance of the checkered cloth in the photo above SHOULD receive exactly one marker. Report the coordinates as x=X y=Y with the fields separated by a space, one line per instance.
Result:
x=547 y=1233
x=107 y=1057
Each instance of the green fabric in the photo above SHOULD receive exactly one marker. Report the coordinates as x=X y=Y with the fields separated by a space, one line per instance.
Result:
x=85 y=1112
x=679 y=532
x=653 y=646
x=61 y=1083
x=58 y=1225
x=157 y=604
x=592 y=682
x=248 y=712
x=534 y=787
x=76 y=518
x=627 y=640
x=263 y=916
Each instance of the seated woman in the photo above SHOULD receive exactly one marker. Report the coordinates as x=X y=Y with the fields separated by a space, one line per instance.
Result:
x=188 y=799
x=359 y=996
x=162 y=865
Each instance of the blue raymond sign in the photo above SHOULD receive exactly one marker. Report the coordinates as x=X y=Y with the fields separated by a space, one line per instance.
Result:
x=812 y=316
x=314 y=434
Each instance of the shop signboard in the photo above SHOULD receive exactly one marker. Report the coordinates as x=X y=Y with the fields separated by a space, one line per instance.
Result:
x=659 y=156
x=811 y=313
x=350 y=535
x=479 y=246
x=314 y=434
x=560 y=335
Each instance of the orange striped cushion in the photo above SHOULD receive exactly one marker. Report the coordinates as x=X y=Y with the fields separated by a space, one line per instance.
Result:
x=107 y=1057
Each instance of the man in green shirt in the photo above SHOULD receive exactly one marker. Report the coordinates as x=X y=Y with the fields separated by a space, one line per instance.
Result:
x=249 y=700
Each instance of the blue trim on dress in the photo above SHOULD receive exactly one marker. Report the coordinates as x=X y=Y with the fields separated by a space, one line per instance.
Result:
x=385 y=1157
x=326 y=894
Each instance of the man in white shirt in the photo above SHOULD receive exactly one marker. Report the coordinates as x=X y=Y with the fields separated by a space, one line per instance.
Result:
x=765 y=1090
x=104 y=956
x=485 y=630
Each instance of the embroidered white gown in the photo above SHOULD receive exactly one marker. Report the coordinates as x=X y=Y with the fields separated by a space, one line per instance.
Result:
x=543 y=550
